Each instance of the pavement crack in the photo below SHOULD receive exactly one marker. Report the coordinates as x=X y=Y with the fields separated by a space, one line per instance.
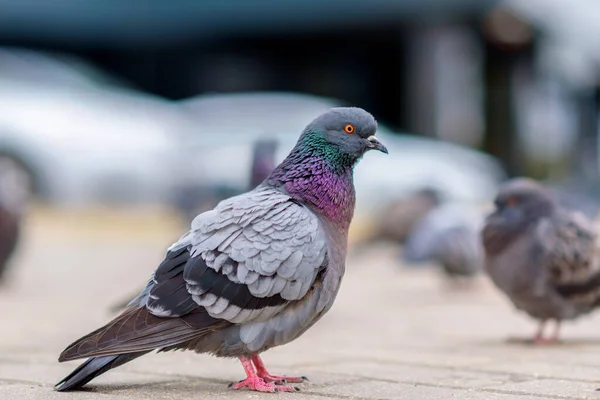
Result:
x=336 y=396
x=21 y=382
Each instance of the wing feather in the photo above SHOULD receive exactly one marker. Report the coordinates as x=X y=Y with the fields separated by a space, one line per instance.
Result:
x=257 y=251
x=571 y=256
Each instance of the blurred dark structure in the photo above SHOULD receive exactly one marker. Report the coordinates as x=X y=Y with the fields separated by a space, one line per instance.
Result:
x=359 y=51
x=507 y=44
x=454 y=69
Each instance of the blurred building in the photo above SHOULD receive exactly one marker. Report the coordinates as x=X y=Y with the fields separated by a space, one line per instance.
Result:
x=557 y=95
x=380 y=54
x=483 y=73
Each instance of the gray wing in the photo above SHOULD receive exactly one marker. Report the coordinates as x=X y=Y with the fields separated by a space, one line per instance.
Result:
x=242 y=263
x=571 y=257
x=248 y=258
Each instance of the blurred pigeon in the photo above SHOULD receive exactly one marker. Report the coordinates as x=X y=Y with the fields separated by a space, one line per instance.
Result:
x=399 y=217
x=9 y=236
x=13 y=204
x=204 y=197
x=545 y=258
x=255 y=272
x=450 y=236
x=263 y=161
x=190 y=200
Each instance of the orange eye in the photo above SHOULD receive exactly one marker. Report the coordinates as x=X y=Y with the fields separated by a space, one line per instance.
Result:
x=511 y=202
x=349 y=128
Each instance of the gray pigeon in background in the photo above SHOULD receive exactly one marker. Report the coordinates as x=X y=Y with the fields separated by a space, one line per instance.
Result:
x=192 y=200
x=255 y=272
x=448 y=235
x=13 y=206
x=399 y=217
x=9 y=236
x=544 y=258
x=263 y=161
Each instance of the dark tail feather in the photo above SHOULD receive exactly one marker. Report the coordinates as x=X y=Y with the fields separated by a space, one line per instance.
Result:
x=92 y=368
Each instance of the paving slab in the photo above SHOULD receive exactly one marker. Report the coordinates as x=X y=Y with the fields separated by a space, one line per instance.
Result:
x=393 y=333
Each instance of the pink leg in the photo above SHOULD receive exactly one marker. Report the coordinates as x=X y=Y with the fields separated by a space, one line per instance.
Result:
x=556 y=336
x=261 y=371
x=539 y=337
x=256 y=383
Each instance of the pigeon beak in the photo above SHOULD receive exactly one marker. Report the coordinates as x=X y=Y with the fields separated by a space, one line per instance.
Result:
x=375 y=144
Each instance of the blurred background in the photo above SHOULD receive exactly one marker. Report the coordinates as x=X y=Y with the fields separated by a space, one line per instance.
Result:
x=117 y=111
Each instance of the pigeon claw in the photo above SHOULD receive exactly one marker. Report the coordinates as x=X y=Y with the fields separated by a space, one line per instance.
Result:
x=258 y=384
x=540 y=341
x=280 y=380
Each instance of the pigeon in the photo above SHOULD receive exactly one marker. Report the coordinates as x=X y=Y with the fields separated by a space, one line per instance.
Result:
x=263 y=161
x=203 y=197
x=450 y=236
x=399 y=217
x=255 y=272
x=13 y=207
x=10 y=230
x=544 y=257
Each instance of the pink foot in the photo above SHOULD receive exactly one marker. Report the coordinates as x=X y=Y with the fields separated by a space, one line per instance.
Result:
x=545 y=341
x=261 y=371
x=540 y=339
x=280 y=379
x=259 y=385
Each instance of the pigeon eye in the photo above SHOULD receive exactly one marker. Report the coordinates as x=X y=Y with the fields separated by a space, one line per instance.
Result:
x=349 y=128
x=511 y=202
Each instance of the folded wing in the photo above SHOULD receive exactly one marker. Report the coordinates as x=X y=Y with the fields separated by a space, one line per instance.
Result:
x=571 y=256
x=244 y=261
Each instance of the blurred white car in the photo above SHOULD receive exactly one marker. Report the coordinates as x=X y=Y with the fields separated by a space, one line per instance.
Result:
x=220 y=153
x=74 y=137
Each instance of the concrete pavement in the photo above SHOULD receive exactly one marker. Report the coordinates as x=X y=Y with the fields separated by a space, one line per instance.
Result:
x=393 y=333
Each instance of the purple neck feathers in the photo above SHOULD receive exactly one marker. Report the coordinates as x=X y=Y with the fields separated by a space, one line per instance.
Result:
x=324 y=184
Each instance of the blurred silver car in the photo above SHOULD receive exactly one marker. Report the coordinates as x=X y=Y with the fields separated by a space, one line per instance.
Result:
x=220 y=151
x=75 y=136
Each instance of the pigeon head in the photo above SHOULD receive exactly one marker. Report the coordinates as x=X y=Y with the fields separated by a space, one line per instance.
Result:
x=345 y=132
x=318 y=171
x=520 y=203
x=523 y=199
